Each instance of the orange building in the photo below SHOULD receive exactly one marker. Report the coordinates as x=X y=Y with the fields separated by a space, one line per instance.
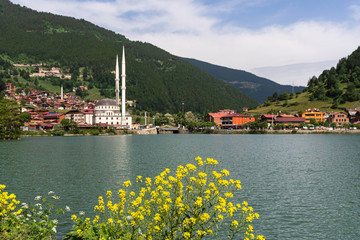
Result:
x=339 y=118
x=315 y=114
x=235 y=120
x=10 y=88
x=216 y=117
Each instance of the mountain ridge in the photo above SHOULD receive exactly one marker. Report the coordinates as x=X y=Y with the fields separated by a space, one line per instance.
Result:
x=256 y=87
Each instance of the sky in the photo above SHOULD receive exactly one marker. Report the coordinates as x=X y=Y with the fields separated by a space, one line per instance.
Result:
x=287 y=41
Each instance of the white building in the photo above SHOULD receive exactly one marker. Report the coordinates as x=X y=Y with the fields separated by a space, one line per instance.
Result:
x=107 y=110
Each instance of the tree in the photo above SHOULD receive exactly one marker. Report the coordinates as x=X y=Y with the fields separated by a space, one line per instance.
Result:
x=10 y=120
x=179 y=118
x=284 y=96
x=171 y=119
x=275 y=96
x=68 y=124
x=190 y=117
x=25 y=117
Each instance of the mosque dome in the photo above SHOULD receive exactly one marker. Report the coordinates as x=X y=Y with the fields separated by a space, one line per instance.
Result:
x=106 y=102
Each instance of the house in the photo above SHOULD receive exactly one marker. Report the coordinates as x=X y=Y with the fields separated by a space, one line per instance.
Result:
x=313 y=114
x=216 y=117
x=75 y=116
x=88 y=116
x=54 y=117
x=235 y=120
x=354 y=115
x=10 y=87
x=269 y=118
x=339 y=118
x=286 y=120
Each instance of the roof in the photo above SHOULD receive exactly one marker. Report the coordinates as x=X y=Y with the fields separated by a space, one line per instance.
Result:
x=269 y=115
x=336 y=113
x=106 y=102
x=218 y=115
x=236 y=115
x=290 y=119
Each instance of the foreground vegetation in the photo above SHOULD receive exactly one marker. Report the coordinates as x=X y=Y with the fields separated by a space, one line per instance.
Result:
x=194 y=202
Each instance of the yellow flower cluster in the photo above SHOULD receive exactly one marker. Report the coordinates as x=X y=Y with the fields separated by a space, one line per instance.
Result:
x=191 y=204
x=7 y=203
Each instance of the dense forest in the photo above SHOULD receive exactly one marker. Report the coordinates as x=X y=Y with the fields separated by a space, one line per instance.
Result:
x=156 y=79
x=339 y=84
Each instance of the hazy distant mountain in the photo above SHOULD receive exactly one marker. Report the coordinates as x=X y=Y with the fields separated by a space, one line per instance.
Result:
x=294 y=74
x=156 y=79
x=255 y=87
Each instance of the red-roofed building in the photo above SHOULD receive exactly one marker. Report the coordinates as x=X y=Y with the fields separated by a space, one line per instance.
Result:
x=269 y=118
x=54 y=117
x=286 y=121
x=216 y=117
x=235 y=120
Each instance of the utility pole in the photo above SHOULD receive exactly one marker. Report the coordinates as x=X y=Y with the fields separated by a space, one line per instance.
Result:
x=183 y=108
x=145 y=119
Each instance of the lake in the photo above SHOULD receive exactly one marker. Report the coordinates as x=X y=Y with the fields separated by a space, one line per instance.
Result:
x=303 y=186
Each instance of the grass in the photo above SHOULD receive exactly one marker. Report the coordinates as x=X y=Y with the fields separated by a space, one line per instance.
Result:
x=303 y=103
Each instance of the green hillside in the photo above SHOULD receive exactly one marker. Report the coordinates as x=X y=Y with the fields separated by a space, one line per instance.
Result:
x=156 y=79
x=337 y=89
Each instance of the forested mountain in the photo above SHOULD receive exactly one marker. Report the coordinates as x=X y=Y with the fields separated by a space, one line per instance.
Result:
x=255 y=87
x=340 y=84
x=156 y=79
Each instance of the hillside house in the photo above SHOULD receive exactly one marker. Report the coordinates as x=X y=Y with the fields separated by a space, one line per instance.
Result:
x=313 y=114
x=354 y=115
x=339 y=118
x=75 y=116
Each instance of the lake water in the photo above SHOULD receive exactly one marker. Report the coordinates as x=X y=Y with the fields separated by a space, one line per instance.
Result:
x=303 y=186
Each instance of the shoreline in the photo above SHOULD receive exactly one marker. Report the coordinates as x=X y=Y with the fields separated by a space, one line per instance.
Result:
x=217 y=131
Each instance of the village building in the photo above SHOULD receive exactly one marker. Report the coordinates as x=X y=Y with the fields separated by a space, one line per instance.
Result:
x=339 y=118
x=88 y=116
x=54 y=117
x=354 y=115
x=269 y=118
x=289 y=120
x=313 y=114
x=235 y=120
x=216 y=117
x=75 y=116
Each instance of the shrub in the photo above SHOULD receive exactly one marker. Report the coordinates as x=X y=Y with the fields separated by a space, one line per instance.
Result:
x=27 y=221
x=192 y=204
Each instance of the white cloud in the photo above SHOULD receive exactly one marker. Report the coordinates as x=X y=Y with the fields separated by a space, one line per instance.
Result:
x=189 y=29
x=355 y=11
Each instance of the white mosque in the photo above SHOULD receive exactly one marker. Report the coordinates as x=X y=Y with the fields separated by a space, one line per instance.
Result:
x=108 y=110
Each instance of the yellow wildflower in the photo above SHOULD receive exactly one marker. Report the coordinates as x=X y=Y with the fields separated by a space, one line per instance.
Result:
x=187 y=235
x=127 y=183
x=225 y=172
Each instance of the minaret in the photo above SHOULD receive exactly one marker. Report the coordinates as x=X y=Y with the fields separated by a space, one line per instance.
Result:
x=62 y=92
x=123 y=88
x=117 y=79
